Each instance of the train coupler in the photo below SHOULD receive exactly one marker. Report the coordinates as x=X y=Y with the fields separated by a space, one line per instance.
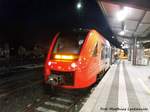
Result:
x=55 y=80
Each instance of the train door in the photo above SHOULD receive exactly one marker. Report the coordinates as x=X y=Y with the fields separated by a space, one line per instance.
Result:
x=106 y=55
x=93 y=63
x=102 y=57
x=96 y=55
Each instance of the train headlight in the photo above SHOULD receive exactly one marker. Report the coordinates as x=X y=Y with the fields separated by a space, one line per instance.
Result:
x=73 y=65
x=49 y=63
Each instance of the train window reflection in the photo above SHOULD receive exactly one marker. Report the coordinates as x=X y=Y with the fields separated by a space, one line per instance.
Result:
x=95 y=50
x=69 y=43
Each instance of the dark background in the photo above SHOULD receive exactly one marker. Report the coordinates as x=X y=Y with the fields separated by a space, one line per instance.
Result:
x=27 y=22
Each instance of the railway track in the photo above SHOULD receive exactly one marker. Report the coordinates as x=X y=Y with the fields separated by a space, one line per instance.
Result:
x=13 y=76
x=31 y=97
x=51 y=101
x=10 y=85
x=62 y=100
x=11 y=90
x=59 y=101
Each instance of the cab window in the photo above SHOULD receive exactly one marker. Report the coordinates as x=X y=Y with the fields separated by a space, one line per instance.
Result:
x=95 y=50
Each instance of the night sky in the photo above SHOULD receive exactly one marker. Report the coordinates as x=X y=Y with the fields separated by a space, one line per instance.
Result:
x=26 y=22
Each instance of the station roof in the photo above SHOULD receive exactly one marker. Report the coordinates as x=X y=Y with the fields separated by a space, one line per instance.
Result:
x=128 y=18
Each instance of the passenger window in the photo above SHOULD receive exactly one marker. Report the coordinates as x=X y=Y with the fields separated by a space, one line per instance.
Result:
x=102 y=52
x=106 y=51
x=95 y=50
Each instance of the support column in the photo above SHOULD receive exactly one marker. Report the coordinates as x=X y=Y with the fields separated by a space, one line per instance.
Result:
x=134 y=51
x=129 y=53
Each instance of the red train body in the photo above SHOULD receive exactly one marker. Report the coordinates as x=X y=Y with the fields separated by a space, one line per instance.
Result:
x=76 y=58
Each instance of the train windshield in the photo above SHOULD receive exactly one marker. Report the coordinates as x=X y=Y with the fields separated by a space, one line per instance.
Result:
x=69 y=43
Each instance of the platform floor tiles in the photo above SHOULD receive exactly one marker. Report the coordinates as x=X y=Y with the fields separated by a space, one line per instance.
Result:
x=124 y=88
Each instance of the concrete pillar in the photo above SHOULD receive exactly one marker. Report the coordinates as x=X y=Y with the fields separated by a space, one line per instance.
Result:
x=134 y=51
x=129 y=53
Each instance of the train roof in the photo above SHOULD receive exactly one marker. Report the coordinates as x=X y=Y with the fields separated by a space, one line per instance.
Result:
x=85 y=32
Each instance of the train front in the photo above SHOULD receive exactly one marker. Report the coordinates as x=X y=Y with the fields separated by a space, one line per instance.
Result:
x=61 y=66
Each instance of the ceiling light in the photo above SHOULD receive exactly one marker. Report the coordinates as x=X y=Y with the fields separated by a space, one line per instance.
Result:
x=122 y=14
x=79 y=5
x=122 y=33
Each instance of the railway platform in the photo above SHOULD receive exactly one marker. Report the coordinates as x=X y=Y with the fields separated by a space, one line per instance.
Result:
x=124 y=88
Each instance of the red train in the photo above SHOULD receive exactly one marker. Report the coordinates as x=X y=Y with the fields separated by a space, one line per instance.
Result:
x=75 y=59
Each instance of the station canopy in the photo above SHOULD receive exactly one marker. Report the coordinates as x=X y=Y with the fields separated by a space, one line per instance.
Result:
x=128 y=18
